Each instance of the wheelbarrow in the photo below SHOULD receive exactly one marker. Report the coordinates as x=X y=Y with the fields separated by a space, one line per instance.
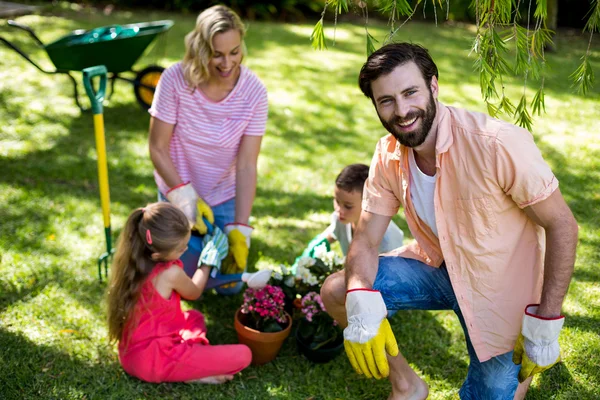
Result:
x=118 y=47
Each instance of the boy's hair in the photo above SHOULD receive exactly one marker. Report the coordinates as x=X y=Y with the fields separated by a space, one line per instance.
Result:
x=157 y=228
x=390 y=56
x=352 y=177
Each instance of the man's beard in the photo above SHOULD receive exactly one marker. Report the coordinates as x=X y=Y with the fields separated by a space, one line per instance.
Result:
x=418 y=136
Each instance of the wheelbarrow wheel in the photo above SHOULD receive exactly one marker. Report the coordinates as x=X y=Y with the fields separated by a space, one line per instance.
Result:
x=148 y=77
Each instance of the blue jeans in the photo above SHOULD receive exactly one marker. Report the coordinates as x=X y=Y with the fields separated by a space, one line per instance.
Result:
x=408 y=284
x=224 y=214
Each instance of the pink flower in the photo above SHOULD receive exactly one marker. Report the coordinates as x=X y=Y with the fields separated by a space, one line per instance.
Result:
x=265 y=304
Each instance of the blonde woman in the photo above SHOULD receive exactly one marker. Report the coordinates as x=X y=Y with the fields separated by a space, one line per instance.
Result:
x=208 y=117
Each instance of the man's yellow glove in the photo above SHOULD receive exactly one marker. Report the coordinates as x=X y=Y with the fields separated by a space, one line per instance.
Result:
x=203 y=210
x=239 y=243
x=368 y=336
x=537 y=346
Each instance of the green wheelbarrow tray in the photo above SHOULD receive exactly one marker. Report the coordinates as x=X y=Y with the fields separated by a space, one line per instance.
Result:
x=117 y=47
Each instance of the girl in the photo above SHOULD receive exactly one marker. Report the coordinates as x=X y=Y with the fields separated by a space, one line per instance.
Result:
x=158 y=342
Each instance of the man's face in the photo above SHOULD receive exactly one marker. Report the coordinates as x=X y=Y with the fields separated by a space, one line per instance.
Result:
x=405 y=104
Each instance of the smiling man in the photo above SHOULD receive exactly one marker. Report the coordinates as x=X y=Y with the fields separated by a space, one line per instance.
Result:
x=494 y=239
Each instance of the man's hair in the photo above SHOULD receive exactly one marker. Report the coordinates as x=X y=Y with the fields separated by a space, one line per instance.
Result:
x=390 y=56
x=352 y=177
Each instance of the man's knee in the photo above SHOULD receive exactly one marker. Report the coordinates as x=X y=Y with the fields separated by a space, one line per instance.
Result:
x=333 y=290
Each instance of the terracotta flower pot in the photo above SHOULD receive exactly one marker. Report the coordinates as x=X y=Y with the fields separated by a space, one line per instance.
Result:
x=264 y=345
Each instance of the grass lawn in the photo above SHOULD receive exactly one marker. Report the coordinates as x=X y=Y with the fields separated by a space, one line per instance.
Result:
x=52 y=321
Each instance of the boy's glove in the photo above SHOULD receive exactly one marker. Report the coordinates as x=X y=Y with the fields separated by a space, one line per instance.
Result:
x=309 y=251
x=215 y=249
x=317 y=241
x=368 y=336
x=203 y=210
x=537 y=346
x=184 y=197
x=239 y=243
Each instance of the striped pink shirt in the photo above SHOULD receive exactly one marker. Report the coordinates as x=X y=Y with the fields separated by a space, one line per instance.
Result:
x=207 y=134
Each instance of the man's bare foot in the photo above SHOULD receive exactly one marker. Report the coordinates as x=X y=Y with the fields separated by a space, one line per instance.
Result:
x=213 y=380
x=417 y=391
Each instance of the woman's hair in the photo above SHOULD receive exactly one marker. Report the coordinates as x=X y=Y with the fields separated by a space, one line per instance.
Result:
x=157 y=228
x=199 y=42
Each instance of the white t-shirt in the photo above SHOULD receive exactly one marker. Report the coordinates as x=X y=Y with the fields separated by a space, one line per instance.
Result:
x=422 y=189
x=392 y=239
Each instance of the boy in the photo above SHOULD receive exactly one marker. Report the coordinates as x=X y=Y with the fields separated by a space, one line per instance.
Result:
x=347 y=204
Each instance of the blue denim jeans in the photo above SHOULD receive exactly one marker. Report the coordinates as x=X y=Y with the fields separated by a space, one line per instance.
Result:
x=408 y=284
x=224 y=214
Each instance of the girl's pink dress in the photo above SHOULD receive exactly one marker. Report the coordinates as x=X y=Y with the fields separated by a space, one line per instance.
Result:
x=170 y=345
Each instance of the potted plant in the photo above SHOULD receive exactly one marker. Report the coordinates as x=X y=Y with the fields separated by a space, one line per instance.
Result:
x=262 y=324
x=318 y=336
x=311 y=272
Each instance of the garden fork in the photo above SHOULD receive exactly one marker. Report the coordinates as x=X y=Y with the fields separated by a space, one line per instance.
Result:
x=96 y=99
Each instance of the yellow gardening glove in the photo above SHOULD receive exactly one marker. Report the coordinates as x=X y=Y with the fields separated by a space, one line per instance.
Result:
x=537 y=347
x=203 y=210
x=229 y=266
x=368 y=336
x=239 y=243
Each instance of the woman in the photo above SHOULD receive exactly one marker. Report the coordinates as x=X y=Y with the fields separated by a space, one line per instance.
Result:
x=208 y=116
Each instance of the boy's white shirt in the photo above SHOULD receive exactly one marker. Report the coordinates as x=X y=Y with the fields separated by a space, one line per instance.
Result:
x=392 y=239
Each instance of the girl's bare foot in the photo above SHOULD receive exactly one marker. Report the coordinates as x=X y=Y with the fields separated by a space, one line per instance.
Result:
x=213 y=380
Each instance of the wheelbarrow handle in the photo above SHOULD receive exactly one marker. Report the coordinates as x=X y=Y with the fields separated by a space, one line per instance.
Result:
x=96 y=98
x=15 y=24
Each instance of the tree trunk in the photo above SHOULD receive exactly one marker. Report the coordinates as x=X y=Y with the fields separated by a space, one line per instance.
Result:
x=551 y=23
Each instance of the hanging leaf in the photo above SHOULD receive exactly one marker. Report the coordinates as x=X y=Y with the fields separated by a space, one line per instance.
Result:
x=538 y=103
x=370 y=43
x=583 y=77
x=522 y=115
x=318 y=36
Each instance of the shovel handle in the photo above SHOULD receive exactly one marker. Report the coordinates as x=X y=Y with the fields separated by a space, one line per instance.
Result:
x=96 y=98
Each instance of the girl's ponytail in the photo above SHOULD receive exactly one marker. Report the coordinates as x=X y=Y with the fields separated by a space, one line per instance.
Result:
x=129 y=268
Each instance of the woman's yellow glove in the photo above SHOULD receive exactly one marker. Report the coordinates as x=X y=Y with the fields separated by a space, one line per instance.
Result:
x=203 y=210
x=239 y=243
x=368 y=337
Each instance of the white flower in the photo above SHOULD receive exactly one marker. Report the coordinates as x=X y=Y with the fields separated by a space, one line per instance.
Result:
x=306 y=276
x=305 y=262
x=320 y=251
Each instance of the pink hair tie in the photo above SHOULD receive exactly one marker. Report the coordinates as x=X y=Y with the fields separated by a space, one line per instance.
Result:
x=148 y=237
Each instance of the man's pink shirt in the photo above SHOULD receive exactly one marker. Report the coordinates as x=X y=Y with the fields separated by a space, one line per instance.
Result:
x=207 y=134
x=487 y=172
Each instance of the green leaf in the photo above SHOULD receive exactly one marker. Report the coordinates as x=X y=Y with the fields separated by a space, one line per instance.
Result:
x=396 y=8
x=583 y=77
x=522 y=114
x=370 y=43
x=318 y=36
x=538 y=103
x=272 y=326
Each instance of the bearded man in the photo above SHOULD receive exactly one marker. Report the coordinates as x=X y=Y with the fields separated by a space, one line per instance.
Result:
x=494 y=239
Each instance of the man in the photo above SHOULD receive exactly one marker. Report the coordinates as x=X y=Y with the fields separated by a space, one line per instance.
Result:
x=494 y=236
